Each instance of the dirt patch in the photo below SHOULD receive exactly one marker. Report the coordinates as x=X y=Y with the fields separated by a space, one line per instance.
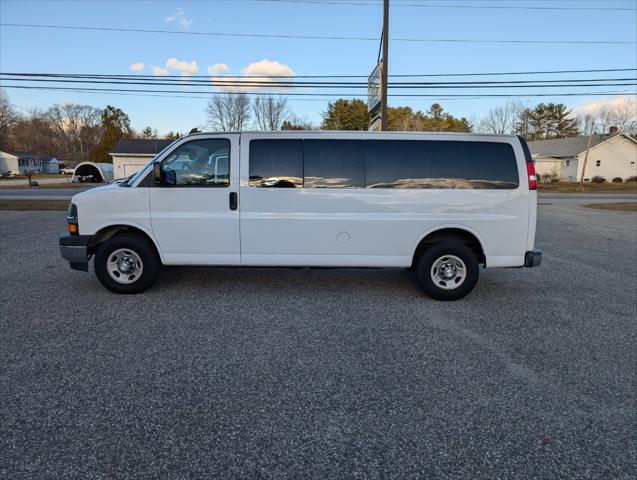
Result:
x=39 y=205
x=572 y=187
x=619 y=206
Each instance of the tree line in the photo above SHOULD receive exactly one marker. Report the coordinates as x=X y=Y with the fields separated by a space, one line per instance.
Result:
x=554 y=120
x=70 y=132
x=235 y=112
x=73 y=132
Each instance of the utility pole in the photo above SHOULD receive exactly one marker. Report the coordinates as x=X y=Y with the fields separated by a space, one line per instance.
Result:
x=588 y=147
x=385 y=66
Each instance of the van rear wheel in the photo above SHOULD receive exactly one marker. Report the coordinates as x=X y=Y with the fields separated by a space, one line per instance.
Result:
x=447 y=271
x=127 y=263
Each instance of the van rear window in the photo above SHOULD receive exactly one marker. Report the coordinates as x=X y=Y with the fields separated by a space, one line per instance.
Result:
x=440 y=164
x=411 y=164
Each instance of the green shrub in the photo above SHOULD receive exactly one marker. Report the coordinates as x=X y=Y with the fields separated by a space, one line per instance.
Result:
x=618 y=180
x=598 y=179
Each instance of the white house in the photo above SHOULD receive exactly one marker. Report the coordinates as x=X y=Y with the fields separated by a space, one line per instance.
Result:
x=610 y=156
x=19 y=162
x=129 y=155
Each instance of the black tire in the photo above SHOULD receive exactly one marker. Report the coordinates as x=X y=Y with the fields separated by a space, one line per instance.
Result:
x=437 y=251
x=146 y=252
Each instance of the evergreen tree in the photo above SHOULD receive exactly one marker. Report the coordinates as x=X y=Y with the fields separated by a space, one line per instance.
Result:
x=115 y=126
x=346 y=115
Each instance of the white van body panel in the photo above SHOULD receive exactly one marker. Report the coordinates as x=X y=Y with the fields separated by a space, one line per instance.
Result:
x=332 y=227
x=110 y=205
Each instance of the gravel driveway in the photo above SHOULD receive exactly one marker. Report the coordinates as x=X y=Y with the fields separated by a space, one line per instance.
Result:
x=283 y=373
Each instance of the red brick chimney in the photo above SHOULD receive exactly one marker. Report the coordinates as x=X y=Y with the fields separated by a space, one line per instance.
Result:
x=612 y=130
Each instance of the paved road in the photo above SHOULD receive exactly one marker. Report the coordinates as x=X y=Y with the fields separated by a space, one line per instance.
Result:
x=41 y=193
x=283 y=373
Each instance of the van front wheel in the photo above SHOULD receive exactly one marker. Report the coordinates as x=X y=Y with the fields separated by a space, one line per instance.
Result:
x=447 y=271
x=127 y=263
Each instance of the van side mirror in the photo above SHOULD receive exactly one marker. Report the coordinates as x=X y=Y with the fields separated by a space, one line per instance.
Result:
x=157 y=174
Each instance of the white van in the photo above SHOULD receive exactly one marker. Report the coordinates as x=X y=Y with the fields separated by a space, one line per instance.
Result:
x=441 y=204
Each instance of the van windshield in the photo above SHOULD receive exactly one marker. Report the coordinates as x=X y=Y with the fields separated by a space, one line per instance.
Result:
x=141 y=171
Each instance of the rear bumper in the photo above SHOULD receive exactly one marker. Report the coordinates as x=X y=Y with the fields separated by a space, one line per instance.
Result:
x=74 y=248
x=533 y=258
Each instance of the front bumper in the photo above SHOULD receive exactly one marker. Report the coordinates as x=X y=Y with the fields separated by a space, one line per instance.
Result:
x=74 y=248
x=533 y=258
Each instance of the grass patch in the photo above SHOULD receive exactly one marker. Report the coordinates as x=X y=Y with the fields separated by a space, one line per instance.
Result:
x=619 y=206
x=47 y=185
x=36 y=205
x=571 y=187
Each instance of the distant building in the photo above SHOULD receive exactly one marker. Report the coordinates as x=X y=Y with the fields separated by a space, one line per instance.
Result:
x=610 y=156
x=129 y=155
x=19 y=162
x=50 y=164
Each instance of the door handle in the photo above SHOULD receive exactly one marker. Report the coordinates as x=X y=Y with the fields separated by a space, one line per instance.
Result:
x=233 y=200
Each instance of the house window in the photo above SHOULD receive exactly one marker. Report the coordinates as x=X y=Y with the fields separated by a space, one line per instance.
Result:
x=598 y=163
x=568 y=162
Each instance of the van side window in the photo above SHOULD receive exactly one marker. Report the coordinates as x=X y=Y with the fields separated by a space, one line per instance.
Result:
x=334 y=163
x=440 y=164
x=199 y=163
x=276 y=163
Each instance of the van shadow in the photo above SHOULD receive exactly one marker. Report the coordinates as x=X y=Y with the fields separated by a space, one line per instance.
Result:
x=268 y=280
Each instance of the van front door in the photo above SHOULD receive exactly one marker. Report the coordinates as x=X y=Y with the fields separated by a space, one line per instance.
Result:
x=194 y=211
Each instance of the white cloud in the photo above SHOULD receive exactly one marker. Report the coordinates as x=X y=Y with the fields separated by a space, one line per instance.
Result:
x=267 y=67
x=180 y=18
x=137 y=67
x=218 y=69
x=259 y=72
x=186 y=68
x=593 y=107
x=173 y=65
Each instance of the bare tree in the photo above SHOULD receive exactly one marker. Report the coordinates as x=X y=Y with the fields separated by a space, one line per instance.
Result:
x=294 y=122
x=33 y=133
x=502 y=120
x=270 y=113
x=621 y=115
x=148 y=133
x=76 y=128
x=8 y=117
x=229 y=113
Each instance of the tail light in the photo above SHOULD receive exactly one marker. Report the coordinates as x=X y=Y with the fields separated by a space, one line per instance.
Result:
x=530 y=170
x=530 y=165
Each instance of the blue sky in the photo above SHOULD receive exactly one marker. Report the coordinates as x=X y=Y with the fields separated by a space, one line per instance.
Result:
x=74 y=51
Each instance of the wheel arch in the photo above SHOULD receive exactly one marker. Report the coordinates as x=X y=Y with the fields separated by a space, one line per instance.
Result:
x=109 y=231
x=464 y=234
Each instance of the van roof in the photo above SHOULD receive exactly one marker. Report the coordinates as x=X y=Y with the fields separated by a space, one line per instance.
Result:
x=350 y=132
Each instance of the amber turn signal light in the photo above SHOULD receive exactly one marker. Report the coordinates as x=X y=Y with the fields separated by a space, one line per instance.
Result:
x=73 y=229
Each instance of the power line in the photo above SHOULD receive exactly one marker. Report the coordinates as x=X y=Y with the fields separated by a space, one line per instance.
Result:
x=611 y=82
x=294 y=94
x=453 y=6
x=258 y=81
x=241 y=77
x=321 y=37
